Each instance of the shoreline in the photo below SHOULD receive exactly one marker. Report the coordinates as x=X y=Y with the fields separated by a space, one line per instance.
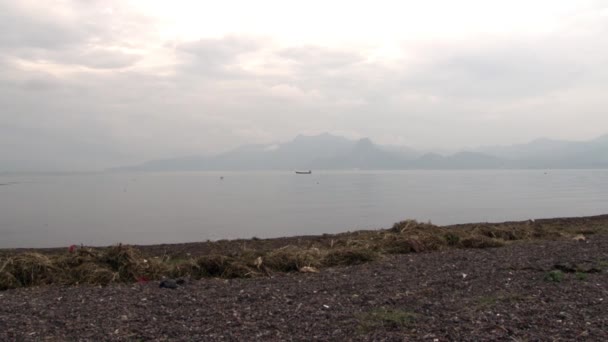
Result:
x=251 y=258
x=278 y=242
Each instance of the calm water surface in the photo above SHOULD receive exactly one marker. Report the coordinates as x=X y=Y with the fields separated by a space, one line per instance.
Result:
x=146 y=208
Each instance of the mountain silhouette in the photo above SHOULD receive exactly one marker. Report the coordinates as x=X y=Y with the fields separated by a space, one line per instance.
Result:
x=326 y=151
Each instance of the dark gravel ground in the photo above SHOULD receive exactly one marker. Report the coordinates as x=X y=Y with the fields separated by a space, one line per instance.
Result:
x=459 y=294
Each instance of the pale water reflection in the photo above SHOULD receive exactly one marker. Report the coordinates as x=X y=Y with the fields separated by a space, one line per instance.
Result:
x=145 y=208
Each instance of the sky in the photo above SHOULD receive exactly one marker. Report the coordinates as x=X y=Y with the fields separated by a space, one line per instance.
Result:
x=92 y=84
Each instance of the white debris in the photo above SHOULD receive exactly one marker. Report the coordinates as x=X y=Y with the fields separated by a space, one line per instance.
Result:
x=309 y=269
x=579 y=237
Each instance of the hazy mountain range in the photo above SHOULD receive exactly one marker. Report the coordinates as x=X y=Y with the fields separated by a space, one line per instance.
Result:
x=327 y=151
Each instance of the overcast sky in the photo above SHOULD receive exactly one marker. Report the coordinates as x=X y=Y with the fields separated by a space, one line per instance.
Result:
x=89 y=84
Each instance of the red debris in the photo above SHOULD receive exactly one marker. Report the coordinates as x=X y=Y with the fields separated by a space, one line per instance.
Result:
x=142 y=280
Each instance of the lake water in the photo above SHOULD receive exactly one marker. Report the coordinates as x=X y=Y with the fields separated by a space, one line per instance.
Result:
x=148 y=208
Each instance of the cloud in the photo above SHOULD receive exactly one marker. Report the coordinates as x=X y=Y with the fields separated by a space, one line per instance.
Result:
x=100 y=83
x=321 y=58
x=492 y=70
x=35 y=29
x=69 y=33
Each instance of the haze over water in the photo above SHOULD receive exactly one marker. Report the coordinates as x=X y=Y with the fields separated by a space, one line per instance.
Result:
x=149 y=208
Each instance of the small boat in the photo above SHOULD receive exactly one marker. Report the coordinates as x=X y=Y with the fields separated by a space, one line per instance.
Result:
x=304 y=172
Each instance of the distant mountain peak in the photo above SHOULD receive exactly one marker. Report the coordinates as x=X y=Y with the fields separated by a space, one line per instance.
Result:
x=316 y=136
x=327 y=151
x=602 y=138
x=364 y=142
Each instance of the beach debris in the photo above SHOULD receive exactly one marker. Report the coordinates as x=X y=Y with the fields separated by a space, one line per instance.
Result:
x=349 y=256
x=168 y=284
x=79 y=264
x=258 y=262
x=291 y=258
x=142 y=280
x=579 y=237
x=464 y=276
x=308 y=269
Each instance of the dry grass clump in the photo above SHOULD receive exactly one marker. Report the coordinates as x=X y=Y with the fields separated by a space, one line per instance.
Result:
x=28 y=269
x=411 y=244
x=240 y=270
x=116 y=263
x=82 y=266
x=504 y=232
x=213 y=265
x=93 y=274
x=129 y=263
x=411 y=225
x=452 y=239
x=348 y=256
x=291 y=259
x=8 y=281
x=184 y=268
x=481 y=242
x=550 y=233
x=207 y=266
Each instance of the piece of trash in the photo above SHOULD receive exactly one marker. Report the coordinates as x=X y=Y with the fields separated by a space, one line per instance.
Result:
x=258 y=262
x=168 y=284
x=464 y=275
x=142 y=280
x=308 y=269
x=579 y=237
x=325 y=306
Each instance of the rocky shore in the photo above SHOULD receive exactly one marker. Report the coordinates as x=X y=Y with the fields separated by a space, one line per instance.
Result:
x=528 y=289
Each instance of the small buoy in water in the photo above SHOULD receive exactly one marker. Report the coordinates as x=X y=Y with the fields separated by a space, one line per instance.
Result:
x=222 y=177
